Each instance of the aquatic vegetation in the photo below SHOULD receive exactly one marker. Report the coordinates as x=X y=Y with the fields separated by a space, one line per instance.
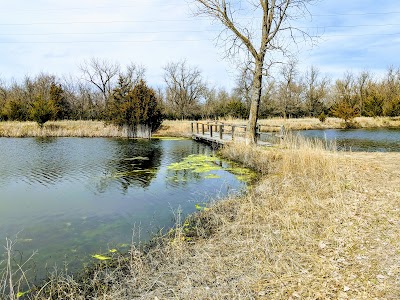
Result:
x=242 y=174
x=200 y=207
x=20 y=294
x=101 y=257
x=202 y=164
x=212 y=176
x=112 y=250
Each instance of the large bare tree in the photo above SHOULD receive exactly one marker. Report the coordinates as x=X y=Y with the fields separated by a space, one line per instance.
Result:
x=260 y=32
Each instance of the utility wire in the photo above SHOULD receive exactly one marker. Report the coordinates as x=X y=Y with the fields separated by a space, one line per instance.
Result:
x=180 y=31
x=168 y=40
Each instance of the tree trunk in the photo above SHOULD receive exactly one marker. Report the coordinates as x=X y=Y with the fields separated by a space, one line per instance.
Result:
x=255 y=104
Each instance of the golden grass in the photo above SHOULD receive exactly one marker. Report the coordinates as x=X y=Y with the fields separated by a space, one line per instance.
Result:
x=318 y=225
x=59 y=129
x=175 y=128
x=330 y=123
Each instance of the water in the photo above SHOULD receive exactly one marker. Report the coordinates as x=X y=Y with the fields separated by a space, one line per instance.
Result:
x=70 y=198
x=369 y=140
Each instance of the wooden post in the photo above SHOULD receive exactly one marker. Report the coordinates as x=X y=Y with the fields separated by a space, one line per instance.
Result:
x=202 y=129
x=221 y=131
x=233 y=132
x=211 y=130
x=197 y=127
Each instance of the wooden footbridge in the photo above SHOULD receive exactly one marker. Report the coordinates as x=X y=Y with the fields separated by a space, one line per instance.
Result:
x=220 y=133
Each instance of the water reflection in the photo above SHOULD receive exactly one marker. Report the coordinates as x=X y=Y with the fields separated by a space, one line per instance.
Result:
x=134 y=164
x=370 y=140
x=73 y=197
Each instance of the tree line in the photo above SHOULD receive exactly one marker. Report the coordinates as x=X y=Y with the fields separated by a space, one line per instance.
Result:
x=105 y=91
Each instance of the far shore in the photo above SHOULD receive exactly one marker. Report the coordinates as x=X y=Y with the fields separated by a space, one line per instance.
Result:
x=69 y=128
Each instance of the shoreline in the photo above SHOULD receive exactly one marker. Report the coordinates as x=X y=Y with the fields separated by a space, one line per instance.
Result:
x=318 y=224
x=177 y=128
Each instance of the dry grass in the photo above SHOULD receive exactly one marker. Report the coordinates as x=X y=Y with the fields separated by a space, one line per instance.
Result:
x=174 y=128
x=59 y=129
x=318 y=225
x=330 y=123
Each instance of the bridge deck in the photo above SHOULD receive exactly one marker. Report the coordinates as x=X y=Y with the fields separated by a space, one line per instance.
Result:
x=226 y=138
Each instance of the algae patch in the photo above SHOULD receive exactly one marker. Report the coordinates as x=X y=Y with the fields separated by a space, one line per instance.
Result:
x=101 y=257
x=198 y=165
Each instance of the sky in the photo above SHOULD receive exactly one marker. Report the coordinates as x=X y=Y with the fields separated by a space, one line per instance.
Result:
x=56 y=37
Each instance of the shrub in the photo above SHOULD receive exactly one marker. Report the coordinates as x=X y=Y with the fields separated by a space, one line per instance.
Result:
x=136 y=110
x=42 y=111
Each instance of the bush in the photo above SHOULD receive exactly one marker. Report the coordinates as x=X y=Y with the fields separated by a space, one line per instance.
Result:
x=42 y=111
x=137 y=110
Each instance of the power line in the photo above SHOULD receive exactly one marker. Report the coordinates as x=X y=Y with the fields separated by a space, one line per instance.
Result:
x=105 y=33
x=167 y=40
x=90 y=8
x=103 y=41
x=180 y=31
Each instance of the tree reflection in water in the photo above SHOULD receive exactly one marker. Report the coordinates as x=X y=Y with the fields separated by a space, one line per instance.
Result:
x=136 y=163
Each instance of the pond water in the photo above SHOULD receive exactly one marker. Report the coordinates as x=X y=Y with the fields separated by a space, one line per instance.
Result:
x=369 y=140
x=71 y=198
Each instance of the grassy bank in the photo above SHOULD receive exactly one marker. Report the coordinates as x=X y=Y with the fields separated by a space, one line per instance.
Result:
x=318 y=225
x=59 y=129
x=176 y=128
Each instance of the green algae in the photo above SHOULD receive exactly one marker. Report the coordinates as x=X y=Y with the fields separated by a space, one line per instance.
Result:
x=242 y=174
x=212 y=176
x=202 y=164
x=196 y=163
x=101 y=257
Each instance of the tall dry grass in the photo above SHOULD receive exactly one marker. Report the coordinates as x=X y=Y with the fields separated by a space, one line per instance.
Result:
x=318 y=225
x=59 y=129
x=180 y=128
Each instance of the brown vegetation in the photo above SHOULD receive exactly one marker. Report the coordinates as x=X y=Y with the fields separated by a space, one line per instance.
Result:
x=59 y=129
x=176 y=128
x=318 y=225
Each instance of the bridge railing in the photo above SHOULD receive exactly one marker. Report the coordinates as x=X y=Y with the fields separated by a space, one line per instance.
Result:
x=232 y=130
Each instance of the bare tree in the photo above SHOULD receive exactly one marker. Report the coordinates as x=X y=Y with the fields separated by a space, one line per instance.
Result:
x=363 y=81
x=275 y=18
x=185 y=87
x=316 y=90
x=102 y=74
x=290 y=90
x=243 y=85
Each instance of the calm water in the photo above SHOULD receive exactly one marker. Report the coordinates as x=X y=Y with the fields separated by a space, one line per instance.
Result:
x=370 y=140
x=70 y=198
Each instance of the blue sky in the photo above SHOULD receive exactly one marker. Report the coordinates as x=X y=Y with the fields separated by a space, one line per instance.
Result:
x=56 y=36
